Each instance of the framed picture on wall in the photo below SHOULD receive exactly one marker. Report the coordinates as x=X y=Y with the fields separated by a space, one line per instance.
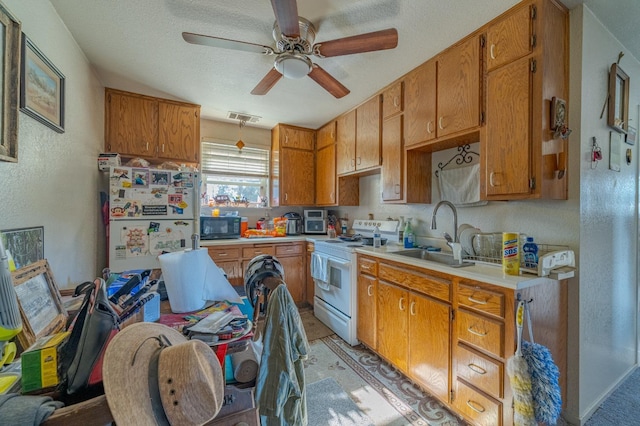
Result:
x=10 y=85
x=41 y=88
x=618 y=117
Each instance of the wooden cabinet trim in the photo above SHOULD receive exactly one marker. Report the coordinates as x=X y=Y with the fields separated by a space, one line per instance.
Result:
x=430 y=285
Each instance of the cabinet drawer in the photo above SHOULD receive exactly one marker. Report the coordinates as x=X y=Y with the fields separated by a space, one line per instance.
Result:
x=289 y=249
x=224 y=253
x=480 y=299
x=480 y=370
x=251 y=252
x=482 y=409
x=426 y=284
x=368 y=266
x=481 y=332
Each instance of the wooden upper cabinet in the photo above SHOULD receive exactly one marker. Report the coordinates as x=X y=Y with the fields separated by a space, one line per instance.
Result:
x=346 y=143
x=131 y=124
x=510 y=38
x=420 y=100
x=458 y=100
x=508 y=138
x=368 y=137
x=152 y=128
x=392 y=100
x=392 y=159
x=292 y=166
x=179 y=135
x=293 y=137
x=326 y=165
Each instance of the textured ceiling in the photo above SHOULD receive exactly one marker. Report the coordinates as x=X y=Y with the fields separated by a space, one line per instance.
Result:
x=137 y=45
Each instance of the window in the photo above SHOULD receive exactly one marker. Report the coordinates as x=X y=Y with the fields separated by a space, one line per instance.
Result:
x=234 y=177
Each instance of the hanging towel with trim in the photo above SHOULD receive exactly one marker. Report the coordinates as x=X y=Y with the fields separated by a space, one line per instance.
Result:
x=461 y=186
x=319 y=267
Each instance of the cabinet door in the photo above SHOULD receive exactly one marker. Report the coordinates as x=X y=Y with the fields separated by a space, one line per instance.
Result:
x=293 y=137
x=509 y=39
x=326 y=166
x=132 y=125
x=392 y=329
x=429 y=344
x=420 y=99
x=179 y=136
x=368 y=134
x=508 y=135
x=297 y=177
x=367 y=296
x=392 y=167
x=294 y=273
x=229 y=260
x=392 y=100
x=346 y=143
x=458 y=103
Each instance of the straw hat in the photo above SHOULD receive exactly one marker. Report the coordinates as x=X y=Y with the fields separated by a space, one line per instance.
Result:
x=153 y=375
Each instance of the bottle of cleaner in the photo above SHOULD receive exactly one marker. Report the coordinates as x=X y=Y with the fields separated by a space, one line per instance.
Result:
x=376 y=237
x=408 y=234
x=530 y=253
x=401 y=231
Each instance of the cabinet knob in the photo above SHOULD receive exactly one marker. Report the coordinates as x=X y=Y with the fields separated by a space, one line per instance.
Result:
x=412 y=309
x=429 y=129
x=440 y=123
x=369 y=287
x=492 y=51
x=401 y=304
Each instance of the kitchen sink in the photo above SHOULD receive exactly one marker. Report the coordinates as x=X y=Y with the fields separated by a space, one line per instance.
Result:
x=433 y=256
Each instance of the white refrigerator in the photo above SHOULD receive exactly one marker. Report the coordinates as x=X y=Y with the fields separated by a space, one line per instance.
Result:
x=151 y=212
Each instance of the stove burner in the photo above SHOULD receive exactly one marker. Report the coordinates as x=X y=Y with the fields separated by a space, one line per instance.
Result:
x=354 y=245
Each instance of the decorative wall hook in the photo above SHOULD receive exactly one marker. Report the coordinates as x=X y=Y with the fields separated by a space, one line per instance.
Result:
x=596 y=154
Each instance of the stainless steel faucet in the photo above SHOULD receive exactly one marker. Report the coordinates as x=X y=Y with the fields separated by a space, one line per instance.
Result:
x=455 y=218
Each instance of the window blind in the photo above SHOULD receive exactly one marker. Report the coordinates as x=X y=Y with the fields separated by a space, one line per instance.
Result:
x=223 y=159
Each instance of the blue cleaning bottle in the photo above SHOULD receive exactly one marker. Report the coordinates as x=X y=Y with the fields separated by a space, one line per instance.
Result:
x=530 y=253
x=408 y=234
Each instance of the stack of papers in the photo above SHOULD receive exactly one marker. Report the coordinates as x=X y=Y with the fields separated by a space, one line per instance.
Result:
x=213 y=323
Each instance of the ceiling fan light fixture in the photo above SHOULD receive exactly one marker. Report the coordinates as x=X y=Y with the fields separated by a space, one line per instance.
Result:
x=293 y=65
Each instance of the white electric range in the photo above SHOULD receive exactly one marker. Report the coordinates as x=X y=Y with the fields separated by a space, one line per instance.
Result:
x=333 y=266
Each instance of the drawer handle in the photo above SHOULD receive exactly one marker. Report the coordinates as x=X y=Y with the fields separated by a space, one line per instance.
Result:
x=476 y=368
x=365 y=267
x=475 y=406
x=440 y=123
x=369 y=287
x=492 y=51
x=412 y=310
x=429 y=130
x=400 y=303
x=395 y=102
x=477 y=333
x=478 y=301
x=222 y=254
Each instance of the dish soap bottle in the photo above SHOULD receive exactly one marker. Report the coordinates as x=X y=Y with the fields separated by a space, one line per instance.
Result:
x=530 y=253
x=376 y=237
x=408 y=234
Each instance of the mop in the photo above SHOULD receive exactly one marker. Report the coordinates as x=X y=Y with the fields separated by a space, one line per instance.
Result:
x=523 y=414
x=545 y=386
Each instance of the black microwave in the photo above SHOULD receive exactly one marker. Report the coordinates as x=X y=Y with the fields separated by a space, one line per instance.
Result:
x=221 y=227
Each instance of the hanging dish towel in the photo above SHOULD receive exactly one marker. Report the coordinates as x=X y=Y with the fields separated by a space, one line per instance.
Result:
x=319 y=267
x=461 y=186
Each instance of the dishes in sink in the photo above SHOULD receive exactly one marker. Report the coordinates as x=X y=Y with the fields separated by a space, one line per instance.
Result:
x=462 y=228
x=350 y=238
x=466 y=240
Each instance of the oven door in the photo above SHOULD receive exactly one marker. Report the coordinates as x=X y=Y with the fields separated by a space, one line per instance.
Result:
x=336 y=291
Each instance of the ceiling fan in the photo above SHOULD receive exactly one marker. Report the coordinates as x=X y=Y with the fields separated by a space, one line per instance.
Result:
x=295 y=37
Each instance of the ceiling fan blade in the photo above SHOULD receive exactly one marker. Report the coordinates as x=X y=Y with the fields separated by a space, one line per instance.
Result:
x=267 y=82
x=327 y=82
x=226 y=43
x=286 y=12
x=377 y=40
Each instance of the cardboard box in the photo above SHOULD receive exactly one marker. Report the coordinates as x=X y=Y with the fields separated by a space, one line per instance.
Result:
x=108 y=159
x=41 y=363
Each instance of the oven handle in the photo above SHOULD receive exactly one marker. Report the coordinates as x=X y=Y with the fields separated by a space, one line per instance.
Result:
x=340 y=262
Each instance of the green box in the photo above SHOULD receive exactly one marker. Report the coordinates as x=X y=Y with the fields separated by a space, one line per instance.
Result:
x=40 y=363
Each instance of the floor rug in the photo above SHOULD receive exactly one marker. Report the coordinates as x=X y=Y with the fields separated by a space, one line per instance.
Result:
x=313 y=327
x=379 y=390
x=622 y=407
x=329 y=405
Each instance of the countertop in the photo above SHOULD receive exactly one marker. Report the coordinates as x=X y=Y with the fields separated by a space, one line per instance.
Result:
x=488 y=273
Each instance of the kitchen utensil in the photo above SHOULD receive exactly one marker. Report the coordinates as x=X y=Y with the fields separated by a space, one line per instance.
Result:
x=368 y=241
x=520 y=379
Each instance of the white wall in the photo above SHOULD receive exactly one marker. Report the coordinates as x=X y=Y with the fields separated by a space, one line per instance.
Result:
x=608 y=222
x=55 y=182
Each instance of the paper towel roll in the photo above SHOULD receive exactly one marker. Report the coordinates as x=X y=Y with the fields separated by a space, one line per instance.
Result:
x=245 y=365
x=192 y=278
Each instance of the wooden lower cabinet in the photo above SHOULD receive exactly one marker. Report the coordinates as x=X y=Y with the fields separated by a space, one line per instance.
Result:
x=234 y=259
x=453 y=336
